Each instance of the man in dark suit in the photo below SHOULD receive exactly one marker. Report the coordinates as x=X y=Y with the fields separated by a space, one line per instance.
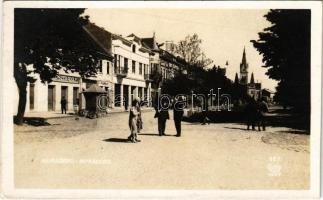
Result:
x=262 y=110
x=162 y=115
x=251 y=112
x=63 y=105
x=178 y=114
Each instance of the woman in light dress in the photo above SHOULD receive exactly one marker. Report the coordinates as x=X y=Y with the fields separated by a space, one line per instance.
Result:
x=133 y=120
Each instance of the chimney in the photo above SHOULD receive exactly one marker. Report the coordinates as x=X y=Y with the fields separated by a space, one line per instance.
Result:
x=154 y=41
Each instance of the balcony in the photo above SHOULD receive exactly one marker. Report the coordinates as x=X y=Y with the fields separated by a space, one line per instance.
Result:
x=148 y=77
x=121 y=72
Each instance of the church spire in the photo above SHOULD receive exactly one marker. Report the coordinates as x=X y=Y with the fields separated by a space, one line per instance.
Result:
x=244 y=68
x=252 y=79
x=236 y=79
x=244 y=59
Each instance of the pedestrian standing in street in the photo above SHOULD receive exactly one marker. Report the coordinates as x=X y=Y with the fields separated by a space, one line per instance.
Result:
x=63 y=105
x=251 y=112
x=133 y=120
x=205 y=120
x=139 y=119
x=162 y=115
x=262 y=110
x=178 y=114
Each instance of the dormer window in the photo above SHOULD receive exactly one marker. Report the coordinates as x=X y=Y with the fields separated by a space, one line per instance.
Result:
x=134 y=48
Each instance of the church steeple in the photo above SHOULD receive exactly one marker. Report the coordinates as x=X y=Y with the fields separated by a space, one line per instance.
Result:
x=236 y=79
x=252 y=79
x=244 y=59
x=244 y=69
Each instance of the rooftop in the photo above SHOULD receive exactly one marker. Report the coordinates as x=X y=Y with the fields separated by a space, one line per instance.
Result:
x=101 y=37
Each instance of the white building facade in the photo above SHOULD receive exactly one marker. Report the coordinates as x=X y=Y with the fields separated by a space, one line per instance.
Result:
x=124 y=73
x=131 y=67
x=44 y=97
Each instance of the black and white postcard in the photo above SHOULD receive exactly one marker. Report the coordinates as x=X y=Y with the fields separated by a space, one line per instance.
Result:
x=161 y=99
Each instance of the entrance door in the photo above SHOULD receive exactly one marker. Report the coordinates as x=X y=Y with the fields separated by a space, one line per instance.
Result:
x=51 y=98
x=31 y=96
x=64 y=93
x=117 y=98
x=126 y=96
x=75 y=95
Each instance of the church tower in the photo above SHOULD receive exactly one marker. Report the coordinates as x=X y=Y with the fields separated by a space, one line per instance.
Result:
x=244 y=69
x=252 y=79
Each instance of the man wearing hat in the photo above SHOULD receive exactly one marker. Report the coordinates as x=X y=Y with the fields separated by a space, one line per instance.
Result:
x=178 y=114
x=162 y=115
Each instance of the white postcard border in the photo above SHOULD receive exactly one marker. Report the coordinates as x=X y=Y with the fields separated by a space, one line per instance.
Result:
x=8 y=85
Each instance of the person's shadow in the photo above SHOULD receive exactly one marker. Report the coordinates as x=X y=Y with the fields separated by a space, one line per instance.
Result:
x=122 y=140
x=152 y=134
x=236 y=128
x=125 y=140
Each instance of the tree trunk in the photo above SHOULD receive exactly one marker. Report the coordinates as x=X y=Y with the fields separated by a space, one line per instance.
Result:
x=21 y=106
x=20 y=75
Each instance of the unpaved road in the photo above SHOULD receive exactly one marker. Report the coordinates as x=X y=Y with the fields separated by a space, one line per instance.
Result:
x=92 y=154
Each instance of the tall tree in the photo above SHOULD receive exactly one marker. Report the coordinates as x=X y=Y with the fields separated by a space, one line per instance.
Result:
x=285 y=47
x=190 y=50
x=45 y=41
x=202 y=81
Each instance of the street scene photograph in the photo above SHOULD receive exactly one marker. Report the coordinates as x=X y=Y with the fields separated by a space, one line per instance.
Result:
x=162 y=99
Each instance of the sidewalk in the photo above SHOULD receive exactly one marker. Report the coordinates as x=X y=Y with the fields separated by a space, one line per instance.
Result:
x=70 y=113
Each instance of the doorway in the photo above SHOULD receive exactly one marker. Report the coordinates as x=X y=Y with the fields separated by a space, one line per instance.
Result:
x=64 y=93
x=126 y=96
x=51 y=98
x=31 y=96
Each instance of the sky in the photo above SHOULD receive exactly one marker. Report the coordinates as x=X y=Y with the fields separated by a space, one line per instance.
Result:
x=224 y=32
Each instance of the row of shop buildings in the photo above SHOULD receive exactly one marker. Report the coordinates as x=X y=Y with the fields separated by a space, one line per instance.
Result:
x=130 y=67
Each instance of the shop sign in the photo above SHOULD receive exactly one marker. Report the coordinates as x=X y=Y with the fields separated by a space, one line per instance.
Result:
x=66 y=79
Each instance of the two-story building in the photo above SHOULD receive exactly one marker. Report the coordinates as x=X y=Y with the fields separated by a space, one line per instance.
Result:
x=131 y=67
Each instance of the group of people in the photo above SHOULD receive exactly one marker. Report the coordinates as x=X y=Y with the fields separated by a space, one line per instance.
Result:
x=162 y=114
x=256 y=113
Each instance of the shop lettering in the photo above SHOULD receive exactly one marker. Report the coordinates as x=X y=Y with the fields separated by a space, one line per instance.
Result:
x=66 y=79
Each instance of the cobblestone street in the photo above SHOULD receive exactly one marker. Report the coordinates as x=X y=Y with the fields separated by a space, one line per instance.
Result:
x=94 y=154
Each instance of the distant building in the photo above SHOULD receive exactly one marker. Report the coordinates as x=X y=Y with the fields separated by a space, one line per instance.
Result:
x=252 y=88
x=164 y=65
x=268 y=94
